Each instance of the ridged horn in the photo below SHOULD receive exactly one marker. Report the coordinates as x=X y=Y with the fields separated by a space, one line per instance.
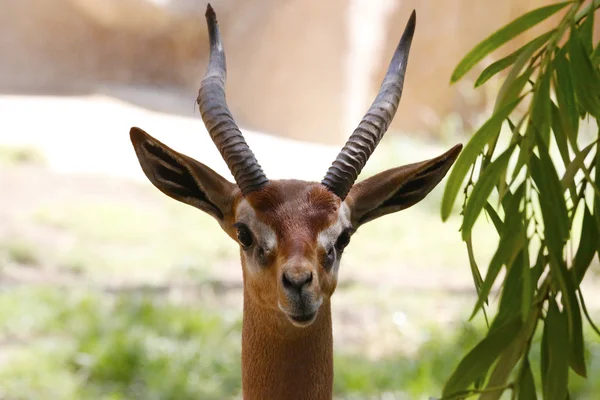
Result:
x=218 y=119
x=354 y=155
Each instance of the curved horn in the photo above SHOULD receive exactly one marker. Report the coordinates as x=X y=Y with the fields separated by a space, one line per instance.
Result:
x=218 y=119
x=345 y=169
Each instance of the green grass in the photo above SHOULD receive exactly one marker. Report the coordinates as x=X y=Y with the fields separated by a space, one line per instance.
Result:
x=126 y=239
x=12 y=155
x=82 y=344
x=20 y=251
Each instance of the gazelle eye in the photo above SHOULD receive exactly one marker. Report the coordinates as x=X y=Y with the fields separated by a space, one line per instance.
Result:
x=342 y=240
x=244 y=235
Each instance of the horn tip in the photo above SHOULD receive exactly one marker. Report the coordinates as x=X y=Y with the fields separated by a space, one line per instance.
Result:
x=136 y=132
x=210 y=12
x=454 y=151
x=412 y=23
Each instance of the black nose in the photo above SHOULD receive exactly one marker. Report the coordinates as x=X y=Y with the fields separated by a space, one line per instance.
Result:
x=296 y=279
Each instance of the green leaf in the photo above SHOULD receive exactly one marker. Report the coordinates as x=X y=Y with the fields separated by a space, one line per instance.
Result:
x=473 y=263
x=469 y=154
x=587 y=314
x=502 y=36
x=539 y=266
x=482 y=190
x=565 y=96
x=480 y=358
x=498 y=224
x=595 y=56
x=586 y=32
x=562 y=278
x=562 y=142
x=503 y=63
x=585 y=10
x=526 y=385
x=585 y=77
x=511 y=355
x=511 y=242
x=545 y=355
x=541 y=117
x=557 y=374
x=575 y=165
x=514 y=83
x=577 y=353
x=510 y=300
x=552 y=202
x=528 y=284
x=587 y=246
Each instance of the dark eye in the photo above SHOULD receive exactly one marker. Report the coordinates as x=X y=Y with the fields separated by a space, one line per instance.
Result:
x=343 y=240
x=244 y=236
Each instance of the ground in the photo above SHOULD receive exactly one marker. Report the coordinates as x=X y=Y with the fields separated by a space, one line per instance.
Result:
x=99 y=270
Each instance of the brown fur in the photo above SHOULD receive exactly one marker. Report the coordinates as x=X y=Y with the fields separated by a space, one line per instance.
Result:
x=279 y=360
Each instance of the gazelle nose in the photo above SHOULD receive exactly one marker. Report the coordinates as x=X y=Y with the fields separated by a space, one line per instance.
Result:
x=296 y=279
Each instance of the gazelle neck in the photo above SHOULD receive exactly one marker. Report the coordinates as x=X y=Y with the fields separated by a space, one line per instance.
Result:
x=281 y=361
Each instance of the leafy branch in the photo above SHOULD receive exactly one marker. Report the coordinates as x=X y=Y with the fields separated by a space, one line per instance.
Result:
x=537 y=181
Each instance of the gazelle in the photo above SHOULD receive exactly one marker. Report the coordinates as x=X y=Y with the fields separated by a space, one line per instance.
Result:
x=291 y=233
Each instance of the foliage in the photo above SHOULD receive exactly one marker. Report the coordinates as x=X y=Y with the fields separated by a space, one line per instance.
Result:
x=537 y=182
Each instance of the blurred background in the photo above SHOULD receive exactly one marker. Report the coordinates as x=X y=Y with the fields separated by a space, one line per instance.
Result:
x=110 y=290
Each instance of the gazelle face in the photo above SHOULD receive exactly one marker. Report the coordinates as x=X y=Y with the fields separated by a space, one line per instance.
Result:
x=291 y=233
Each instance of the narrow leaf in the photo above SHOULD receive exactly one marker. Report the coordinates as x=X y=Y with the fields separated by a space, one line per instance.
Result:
x=510 y=300
x=552 y=202
x=595 y=56
x=503 y=63
x=528 y=284
x=494 y=217
x=481 y=357
x=587 y=246
x=526 y=385
x=469 y=154
x=585 y=77
x=514 y=83
x=562 y=142
x=474 y=267
x=511 y=241
x=577 y=353
x=482 y=190
x=586 y=313
x=541 y=117
x=509 y=358
x=557 y=374
x=563 y=146
x=574 y=167
x=586 y=32
x=565 y=96
x=502 y=36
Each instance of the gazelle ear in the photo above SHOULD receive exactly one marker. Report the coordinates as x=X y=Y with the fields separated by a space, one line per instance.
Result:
x=398 y=188
x=182 y=177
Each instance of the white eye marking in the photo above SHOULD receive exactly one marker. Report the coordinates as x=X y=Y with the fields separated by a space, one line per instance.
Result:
x=264 y=235
x=328 y=236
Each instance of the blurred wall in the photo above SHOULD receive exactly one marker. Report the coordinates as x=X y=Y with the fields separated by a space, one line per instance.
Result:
x=446 y=32
x=305 y=69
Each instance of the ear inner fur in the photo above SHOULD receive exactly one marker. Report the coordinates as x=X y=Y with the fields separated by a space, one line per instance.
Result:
x=399 y=188
x=177 y=175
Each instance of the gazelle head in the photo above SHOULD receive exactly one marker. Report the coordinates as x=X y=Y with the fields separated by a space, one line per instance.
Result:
x=291 y=233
